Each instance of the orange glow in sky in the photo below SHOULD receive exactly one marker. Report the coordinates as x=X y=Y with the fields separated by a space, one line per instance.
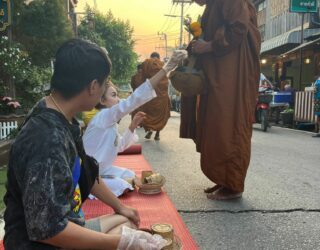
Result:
x=148 y=18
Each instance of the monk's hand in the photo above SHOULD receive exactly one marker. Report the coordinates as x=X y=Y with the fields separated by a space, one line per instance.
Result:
x=175 y=59
x=129 y=212
x=200 y=47
x=136 y=121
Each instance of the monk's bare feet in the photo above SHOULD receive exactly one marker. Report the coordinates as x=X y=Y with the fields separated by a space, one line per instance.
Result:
x=224 y=194
x=210 y=190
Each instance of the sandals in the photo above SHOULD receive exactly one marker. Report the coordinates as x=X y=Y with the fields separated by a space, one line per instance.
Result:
x=224 y=194
x=148 y=135
x=157 y=136
x=210 y=190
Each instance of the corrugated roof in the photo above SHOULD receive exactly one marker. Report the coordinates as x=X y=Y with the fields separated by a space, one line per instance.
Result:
x=290 y=37
x=304 y=45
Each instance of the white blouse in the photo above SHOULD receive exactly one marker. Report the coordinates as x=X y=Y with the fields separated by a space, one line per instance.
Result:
x=101 y=138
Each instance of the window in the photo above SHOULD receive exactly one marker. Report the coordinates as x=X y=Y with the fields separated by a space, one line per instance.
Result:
x=262 y=5
x=262 y=32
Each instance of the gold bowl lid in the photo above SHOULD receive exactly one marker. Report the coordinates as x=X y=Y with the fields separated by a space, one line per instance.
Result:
x=162 y=228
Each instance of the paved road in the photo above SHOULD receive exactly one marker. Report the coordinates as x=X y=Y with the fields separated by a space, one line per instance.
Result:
x=280 y=208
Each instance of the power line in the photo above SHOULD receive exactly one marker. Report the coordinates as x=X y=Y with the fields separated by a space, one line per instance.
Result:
x=170 y=22
x=166 y=19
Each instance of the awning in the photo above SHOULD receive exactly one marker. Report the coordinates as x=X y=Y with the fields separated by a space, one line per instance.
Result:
x=302 y=46
x=292 y=37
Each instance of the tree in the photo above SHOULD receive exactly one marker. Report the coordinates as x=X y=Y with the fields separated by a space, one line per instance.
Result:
x=116 y=36
x=30 y=80
x=41 y=26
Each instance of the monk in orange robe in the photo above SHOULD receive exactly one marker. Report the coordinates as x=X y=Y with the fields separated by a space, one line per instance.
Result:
x=136 y=81
x=158 y=109
x=220 y=120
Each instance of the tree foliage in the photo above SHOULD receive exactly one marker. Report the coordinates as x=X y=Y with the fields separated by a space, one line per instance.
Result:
x=41 y=26
x=30 y=80
x=116 y=36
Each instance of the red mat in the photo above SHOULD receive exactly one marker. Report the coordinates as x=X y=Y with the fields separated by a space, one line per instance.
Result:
x=132 y=150
x=152 y=208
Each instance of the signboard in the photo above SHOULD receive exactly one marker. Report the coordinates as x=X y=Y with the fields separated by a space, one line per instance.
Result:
x=304 y=6
x=5 y=14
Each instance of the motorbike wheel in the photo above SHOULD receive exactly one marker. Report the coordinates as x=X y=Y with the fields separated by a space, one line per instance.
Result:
x=264 y=120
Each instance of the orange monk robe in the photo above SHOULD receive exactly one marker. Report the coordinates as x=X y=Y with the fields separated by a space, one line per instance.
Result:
x=136 y=81
x=158 y=109
x=222 y=125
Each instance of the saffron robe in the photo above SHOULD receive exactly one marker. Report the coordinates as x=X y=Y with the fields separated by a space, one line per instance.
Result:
x=220 y=120
x=158 y=109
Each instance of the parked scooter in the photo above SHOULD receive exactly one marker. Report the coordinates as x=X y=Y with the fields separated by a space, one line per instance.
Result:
x=263 y=107
x=263 y=103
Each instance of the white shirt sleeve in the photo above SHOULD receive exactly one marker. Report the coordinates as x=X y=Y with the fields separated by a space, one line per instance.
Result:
x=107 y=117
x=127 y=139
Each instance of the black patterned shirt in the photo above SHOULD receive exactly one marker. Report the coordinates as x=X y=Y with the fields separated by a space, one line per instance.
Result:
x=41 y=184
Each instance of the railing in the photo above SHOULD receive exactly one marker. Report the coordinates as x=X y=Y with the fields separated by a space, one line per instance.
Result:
x=304 y=107
x=9 y=123
x=6 y=128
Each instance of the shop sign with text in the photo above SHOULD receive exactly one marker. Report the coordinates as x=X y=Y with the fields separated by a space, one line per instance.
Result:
x=5 y=14
x=304 y=6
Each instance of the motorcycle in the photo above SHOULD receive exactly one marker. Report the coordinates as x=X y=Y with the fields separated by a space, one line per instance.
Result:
x=263 y=107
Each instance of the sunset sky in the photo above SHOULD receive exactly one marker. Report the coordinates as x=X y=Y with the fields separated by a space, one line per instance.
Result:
x=147 y=18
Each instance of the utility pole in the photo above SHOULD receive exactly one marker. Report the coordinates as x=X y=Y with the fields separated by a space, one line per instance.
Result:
x=73 y=16
x=182 y=2
x=301 y=53
x=164 y=37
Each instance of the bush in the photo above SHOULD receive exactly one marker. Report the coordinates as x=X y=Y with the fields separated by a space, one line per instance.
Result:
x=29 y=80
x=13 y=61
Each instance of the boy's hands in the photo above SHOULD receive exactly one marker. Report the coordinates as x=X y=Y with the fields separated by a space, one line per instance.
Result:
x=138 y=240
x=136 y=121
x=129 y=212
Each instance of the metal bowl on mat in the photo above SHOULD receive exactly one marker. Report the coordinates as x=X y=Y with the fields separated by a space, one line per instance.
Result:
x=176 y=244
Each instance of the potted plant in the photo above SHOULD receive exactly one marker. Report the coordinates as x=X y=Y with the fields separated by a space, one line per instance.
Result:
x=287 y=116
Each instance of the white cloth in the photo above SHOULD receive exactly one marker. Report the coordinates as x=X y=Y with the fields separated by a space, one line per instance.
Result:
x=102 y=140
x=117 y=186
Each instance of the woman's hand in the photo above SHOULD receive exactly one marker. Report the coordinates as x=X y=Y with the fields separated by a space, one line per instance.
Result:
x=175 y=59
x=136 y=121
x=200 y=47
x=129 y=212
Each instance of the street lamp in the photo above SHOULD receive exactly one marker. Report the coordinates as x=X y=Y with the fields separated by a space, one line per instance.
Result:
x=263 y=61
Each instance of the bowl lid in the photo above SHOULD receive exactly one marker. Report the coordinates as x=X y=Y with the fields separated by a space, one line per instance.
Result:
x=162 y=228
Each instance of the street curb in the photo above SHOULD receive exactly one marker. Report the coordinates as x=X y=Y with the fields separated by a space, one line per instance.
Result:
x=296 y=130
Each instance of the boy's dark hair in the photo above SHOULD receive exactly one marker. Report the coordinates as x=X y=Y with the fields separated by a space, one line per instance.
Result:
x=155 y=55
x=78 y=63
